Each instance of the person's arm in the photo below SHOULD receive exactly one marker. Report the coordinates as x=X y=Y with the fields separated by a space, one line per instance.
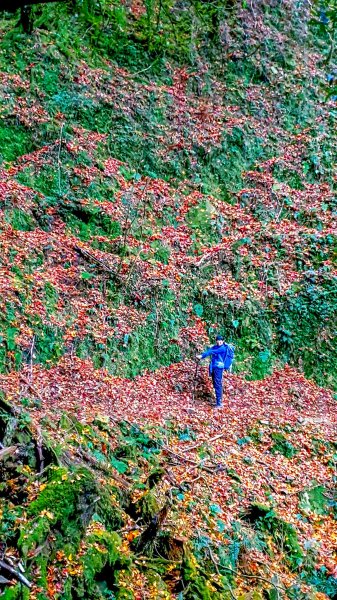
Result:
x=210 y=352
x=204 y=354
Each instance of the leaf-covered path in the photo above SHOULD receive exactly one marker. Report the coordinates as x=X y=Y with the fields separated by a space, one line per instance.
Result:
x=75 y=386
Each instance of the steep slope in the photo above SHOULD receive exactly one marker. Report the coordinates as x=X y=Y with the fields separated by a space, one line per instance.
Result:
x=161 y=182
x=130 y=194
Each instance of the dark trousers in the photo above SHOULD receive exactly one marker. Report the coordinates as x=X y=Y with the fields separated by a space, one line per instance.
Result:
x=217 y=375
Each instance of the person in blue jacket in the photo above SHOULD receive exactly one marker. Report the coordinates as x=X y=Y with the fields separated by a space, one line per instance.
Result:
x=221 y=359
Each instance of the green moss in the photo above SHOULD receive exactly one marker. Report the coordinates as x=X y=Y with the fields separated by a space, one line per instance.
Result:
x=34 y=534
x=14 y=142
x=16 y=592
x=20 y=220
x=123 y=593
x=200 y=586
x=58 y=506
x=99 y=564
x=61 y=492
x=103 y=549
x=147 y=507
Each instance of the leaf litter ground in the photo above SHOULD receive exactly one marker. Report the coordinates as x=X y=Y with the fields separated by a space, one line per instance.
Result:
x=271 y=443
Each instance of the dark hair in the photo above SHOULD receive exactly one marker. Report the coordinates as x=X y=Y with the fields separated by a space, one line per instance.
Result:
x=219 y=337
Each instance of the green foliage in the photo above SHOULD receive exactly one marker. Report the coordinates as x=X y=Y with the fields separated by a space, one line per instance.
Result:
x=161 y=30
x=323 y=582
x=14 y=142
x=144 y=347
x=78 y=509
x=20 y=220
x=264 y=337
x=89 y=221
x=49 y=343
x=324 y=21
x=306 y=326
x=314 y=500
x=283 y=533
x=283 y=446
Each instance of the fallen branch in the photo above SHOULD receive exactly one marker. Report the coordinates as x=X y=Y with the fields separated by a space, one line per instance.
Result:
x=18 y=576
x=103 y=466
x=200 y=465
x=191 y=481
x=7 y=406
x=39 y=442
x=258 y=577
x=211 y=555
x=212 y=439
x=31 y=387
x=183 y=458
x=92 y=257
x=5 y=452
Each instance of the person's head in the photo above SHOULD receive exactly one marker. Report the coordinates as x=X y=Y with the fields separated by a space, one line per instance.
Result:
x=219 y=340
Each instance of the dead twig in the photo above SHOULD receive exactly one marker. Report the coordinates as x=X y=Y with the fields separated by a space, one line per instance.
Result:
x=59 y=159
x=100 y=262
x=212 y=439
x=39 y=442
x=18 y=576
x=142 y=70
x=5 y=452
x=31 y=387
x=258 y=577
x=209 y=468
x=192 y=481
x=38 y=550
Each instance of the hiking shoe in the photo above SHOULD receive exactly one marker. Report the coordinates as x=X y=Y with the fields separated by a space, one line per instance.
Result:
x=218 y=406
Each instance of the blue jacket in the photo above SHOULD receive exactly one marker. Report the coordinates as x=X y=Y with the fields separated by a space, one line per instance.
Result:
x=218 y=356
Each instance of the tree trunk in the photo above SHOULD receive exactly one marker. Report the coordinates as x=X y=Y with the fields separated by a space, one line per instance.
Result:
x=25 y=19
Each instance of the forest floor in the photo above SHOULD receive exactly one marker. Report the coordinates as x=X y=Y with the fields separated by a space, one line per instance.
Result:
x=272 y=446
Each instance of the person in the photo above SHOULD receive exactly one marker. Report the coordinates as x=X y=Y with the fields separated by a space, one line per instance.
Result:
x=221 y=359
